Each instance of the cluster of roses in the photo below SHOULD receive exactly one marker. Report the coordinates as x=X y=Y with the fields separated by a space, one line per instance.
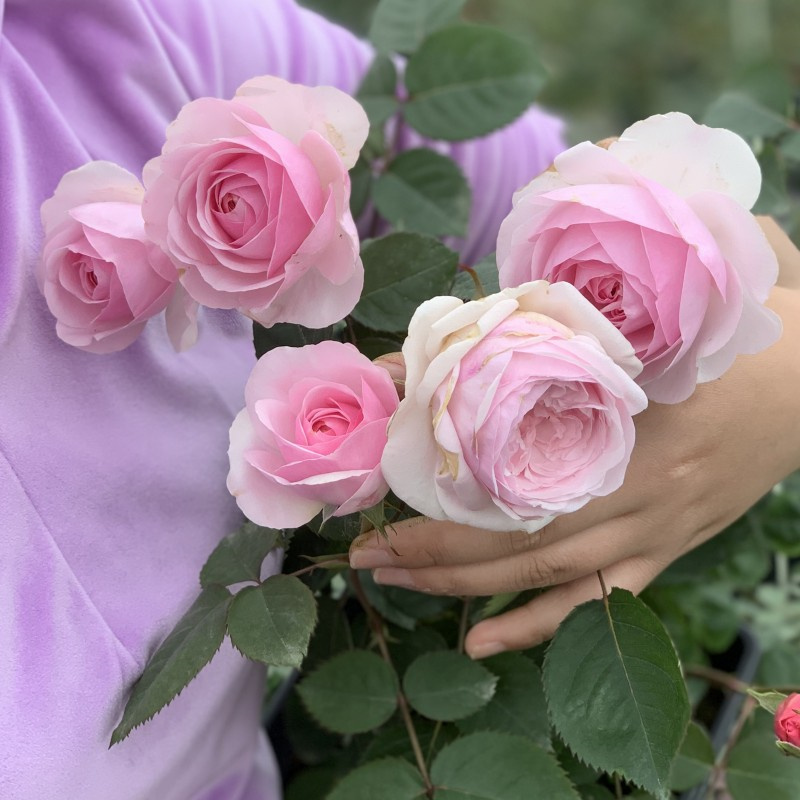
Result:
x=631 y=271
x=247 y=207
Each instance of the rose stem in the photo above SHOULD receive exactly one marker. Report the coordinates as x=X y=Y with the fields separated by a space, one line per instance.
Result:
x=479 y=287
x=603 y=587
x=717 y=677
x=321 y=565
x=617 y=786
x=376 y=623
x=718 y=772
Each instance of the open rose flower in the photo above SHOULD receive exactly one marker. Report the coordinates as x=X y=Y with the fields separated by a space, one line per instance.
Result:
x=787 y=720
x=250 y=198
x=101 y=276
x=311 y=436
x=655 y=231
x=517 y=408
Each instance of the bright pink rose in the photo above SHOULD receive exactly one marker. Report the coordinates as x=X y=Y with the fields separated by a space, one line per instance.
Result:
x=787 y=720
x=101 y=276
x=311 y=435
x=250 y=198
x=655 y=232
x=517 y=407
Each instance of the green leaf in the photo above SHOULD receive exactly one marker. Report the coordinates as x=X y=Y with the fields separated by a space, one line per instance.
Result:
x=387 y=779
x=790 y=146
x=374 y=346
x=745 y=116
x=378 y=91
x=188 y=648
x=498 y=766
x=360 y=186
x=466 y=81
x=354 y=692
x=273 y=622
x=757 y=770
x=788 y=749
x=400 y=25
x=392 y=740
x=518 y=705
x=376 y=516
x=780 y=666
x=238 y=557
x=774 y=197
x=402 y=271
x=314 y=782
x=355 y=15
x=769 y=701
x=337 y=529
x=615 y=691
x=332 y=634
x=446 y=685
x=425 y=192
x=596 y=792
x=403 y=607
x=406 y=646
x=287 y=334
x=694 y=761
x=486 y=272
x=310 y=743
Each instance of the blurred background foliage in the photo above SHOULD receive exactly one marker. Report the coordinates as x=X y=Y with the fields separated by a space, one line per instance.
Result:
x=734 y=63
x=729 y=63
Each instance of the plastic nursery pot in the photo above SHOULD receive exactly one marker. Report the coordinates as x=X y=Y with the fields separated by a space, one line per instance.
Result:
x=720 y=709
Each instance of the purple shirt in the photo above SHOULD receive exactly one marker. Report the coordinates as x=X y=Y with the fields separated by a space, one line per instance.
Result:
x=112 y=468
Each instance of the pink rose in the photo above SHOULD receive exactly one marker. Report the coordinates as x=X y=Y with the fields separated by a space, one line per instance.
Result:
x=787 y=720
x=250 y=198
x=101 y=276
x=517 y=407
x=655 y=232
x=311 y=435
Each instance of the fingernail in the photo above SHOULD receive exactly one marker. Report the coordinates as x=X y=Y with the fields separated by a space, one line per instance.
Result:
x=394 y=577
x=369 y=558
x=485 y=649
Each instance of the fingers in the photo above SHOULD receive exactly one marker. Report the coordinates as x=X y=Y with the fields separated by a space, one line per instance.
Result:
x=531 y=624
x=394 y=364
x=559 y=562
x=421 y=542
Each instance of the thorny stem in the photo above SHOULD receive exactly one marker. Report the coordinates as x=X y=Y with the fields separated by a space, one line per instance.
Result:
x=376 y=623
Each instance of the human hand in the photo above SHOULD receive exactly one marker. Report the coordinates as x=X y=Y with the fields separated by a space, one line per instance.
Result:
x=696 y=467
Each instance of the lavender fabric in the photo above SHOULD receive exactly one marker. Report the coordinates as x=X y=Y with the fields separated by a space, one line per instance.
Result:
x=112 y=468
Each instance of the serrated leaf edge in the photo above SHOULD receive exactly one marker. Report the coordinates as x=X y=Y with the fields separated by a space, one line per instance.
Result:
x=116 y=738
x=322 y=664
x=665 y=793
